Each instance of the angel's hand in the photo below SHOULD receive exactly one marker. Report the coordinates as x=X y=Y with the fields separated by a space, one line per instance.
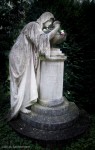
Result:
x=56 y=24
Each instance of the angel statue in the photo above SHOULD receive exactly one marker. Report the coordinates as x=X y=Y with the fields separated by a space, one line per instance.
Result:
x=24 y=61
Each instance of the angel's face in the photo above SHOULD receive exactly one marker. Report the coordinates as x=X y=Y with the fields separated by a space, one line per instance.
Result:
x=48 y=23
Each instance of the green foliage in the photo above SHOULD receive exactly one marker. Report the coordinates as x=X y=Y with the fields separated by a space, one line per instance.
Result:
x=12 y=20
x=10 y=140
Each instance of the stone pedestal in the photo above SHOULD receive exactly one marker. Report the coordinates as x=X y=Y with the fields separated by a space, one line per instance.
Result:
x=51 y=81
x=53 y=117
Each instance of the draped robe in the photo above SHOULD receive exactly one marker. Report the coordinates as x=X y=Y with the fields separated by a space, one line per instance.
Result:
x=24 y=66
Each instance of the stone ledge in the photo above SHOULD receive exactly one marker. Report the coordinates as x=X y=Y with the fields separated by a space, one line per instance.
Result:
x=55 y=111
x=76 y=129
x=51 y=103
x=51 y=118
x=60 y=57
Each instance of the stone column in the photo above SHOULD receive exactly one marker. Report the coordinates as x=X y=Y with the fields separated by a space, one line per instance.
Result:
x=51 y=79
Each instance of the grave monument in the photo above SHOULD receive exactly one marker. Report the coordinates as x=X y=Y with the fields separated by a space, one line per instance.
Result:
x=38 y=108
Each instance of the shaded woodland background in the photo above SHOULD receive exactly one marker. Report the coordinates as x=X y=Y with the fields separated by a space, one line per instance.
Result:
x=78 y=20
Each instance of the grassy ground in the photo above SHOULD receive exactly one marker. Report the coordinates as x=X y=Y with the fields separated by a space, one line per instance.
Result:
x=11 y=140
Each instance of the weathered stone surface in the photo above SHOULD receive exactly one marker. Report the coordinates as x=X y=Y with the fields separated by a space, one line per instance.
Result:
x=76 y=128
x=51 y=80
x=54 y=111
x=52 y=118
x=52 y=123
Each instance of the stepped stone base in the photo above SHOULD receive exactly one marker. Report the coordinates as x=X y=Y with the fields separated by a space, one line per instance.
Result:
x=52 y=123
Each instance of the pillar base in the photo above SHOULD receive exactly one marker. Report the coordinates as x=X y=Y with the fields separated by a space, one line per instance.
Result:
x=52 y=123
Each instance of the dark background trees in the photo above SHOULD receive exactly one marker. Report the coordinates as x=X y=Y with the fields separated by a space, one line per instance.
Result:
x=78 y=20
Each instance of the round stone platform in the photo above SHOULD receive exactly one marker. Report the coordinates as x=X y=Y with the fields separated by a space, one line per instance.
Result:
x=52 y=123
